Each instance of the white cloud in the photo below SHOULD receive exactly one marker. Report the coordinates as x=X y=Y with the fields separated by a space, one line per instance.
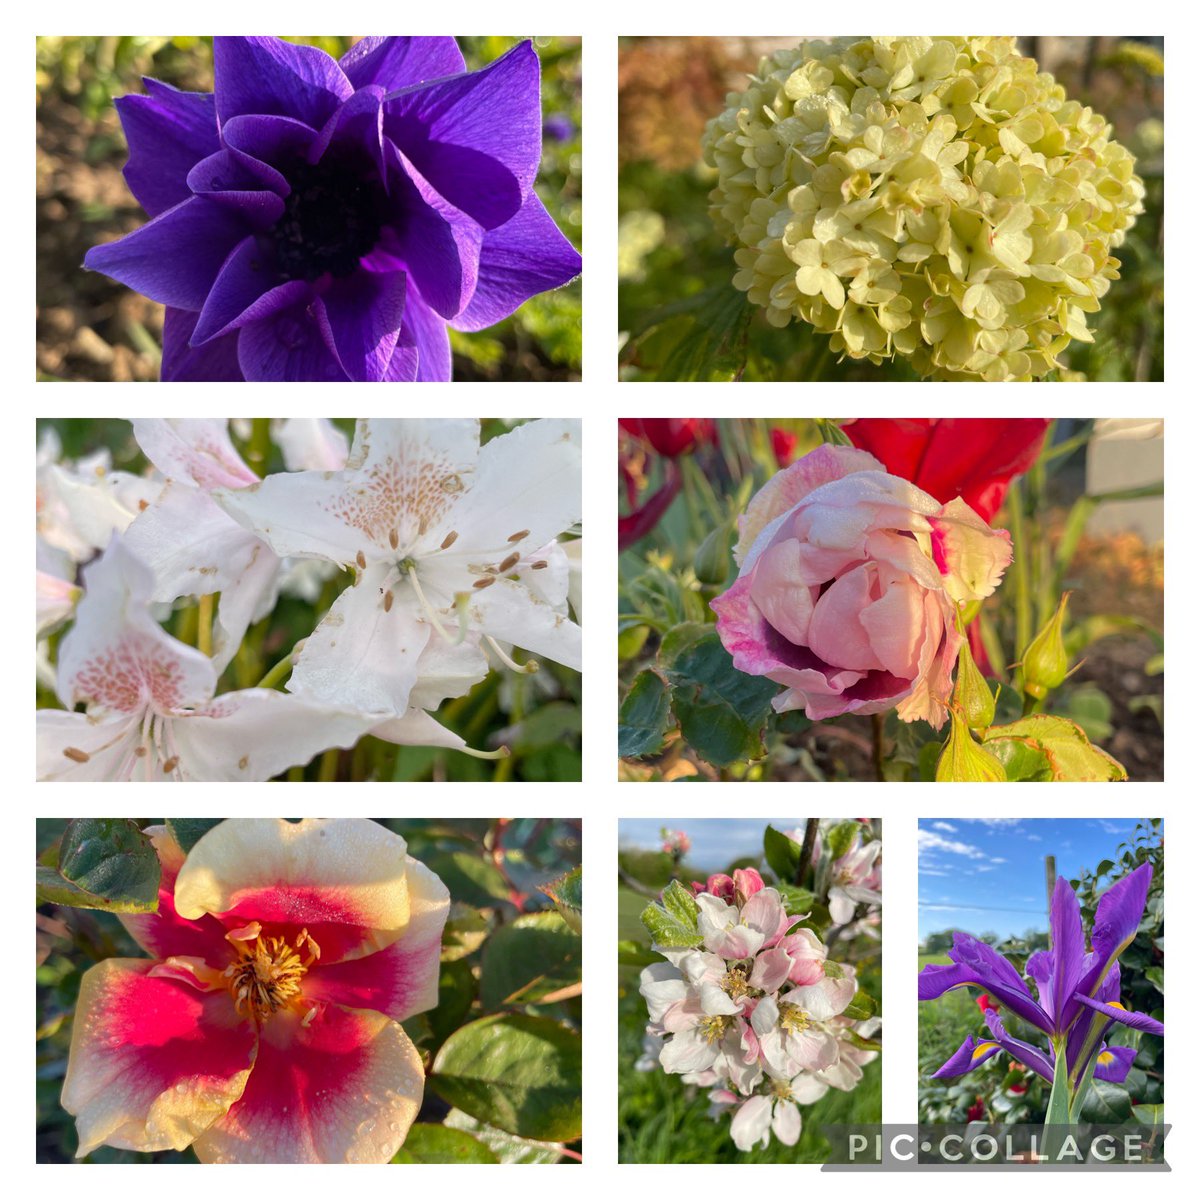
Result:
x=928 y=842
x=999 y=860
x=945 y=826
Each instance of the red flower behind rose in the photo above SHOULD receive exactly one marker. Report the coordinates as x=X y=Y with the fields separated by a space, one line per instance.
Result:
x=670 y=436
x=972 y=457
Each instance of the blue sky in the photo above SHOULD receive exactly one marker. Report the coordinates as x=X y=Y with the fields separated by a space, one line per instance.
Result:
x=989 y=873
x=716 y=842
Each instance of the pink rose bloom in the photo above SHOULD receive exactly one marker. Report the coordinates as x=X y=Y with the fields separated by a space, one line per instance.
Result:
x=848 y=586
x=265 y=1026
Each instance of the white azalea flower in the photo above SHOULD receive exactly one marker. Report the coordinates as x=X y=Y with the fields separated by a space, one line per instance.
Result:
x=192 y=546
x=311 y=444
x=446 y=539
x=150 y=708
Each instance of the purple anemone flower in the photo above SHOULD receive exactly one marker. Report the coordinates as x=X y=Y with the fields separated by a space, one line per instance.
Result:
x=315 y=219
x=1078 y=990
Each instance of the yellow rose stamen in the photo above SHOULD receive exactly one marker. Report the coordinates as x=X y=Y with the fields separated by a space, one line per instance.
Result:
x=266 y=974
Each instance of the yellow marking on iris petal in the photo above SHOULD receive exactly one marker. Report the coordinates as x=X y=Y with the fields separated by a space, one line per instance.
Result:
x=1105 y=1057
x=983 y=1049
x=1115 y=1004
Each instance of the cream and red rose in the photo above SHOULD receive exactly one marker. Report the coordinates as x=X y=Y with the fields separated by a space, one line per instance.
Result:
x=266 y=1025
x=848 y=585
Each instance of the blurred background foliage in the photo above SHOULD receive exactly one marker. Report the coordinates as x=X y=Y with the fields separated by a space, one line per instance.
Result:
x=659 y=1118
x=1003 y=1091
x=91 y=328
x=493 y=870
x=1057 y=516
x=538 y=716
x=680 y=316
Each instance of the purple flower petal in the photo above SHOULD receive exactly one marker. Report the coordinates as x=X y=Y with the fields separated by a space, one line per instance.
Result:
x=1066 y=948
x=477 y=138
x=359 y=123
x=427 y=332
x=974 y=1052
x=276 y=141
x=254 y=191
x=403 y=367
x=360 y=318
x=168 y=132
x=266 y=75
x=1114 y=1011
x=396 y=62
x=1023 y=1052
x=247 y=289
x=287 y=348
x=521 y=258
x=1118 y=916
x=438 y=247
x=1113 y=1063
x=214 y=362
x=175 y=258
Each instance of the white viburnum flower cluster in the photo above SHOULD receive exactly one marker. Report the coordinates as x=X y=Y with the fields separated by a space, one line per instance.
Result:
x=755 y=1012
x=937 y=199
x=452 y=550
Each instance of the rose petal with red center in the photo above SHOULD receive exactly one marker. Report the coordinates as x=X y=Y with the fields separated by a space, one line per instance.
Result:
x=403 y=979
x=344 y=881
x=343 y=1088
x=153 y=1062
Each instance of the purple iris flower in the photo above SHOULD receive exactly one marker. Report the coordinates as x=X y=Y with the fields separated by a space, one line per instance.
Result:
x=315 y=219
x=1078 y=991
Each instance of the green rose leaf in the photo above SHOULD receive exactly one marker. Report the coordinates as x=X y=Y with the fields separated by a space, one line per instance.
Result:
x=520 y=1073
x=187 y=831
x=1044 y=747
x=644 y=716
x=465 y=932
x=440 y=1144
x=456 y=994
x=567 y=893
x=507 y=1147
x=721 y=711
x=106 y=864
x=672 y=923
x=471 y=879
x=782 y=854
x=531 y=961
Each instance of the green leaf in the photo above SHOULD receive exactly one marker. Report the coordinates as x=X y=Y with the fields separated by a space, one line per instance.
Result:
x=520 y=1073
x=644 y=716
x=860 y=1007
x=782 y=854
x=187 y=831
x=507 y=1147
x=567 y=893
x=700 y=337
x=1106 y=1104
x=672 y=924
x=721 y=711
x=529 y=961
x=465 y=932
x=456 y=994
x=841 y=837
x=441 y=1144
x=1064 y=747
x=471 y=879
x=1148 y=1114
x=547 y=726
x=105 y=864
x=797 y=901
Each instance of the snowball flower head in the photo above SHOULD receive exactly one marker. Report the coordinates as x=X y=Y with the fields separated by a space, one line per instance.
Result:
x=935 y=198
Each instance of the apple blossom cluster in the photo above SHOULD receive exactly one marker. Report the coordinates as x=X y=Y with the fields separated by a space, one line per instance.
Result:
x=756 y=1012
x=453 y=551
x=939 y=199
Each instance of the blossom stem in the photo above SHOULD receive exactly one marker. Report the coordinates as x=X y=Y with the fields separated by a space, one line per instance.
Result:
x=258 y=452
x=329 y=764
x=204 y=620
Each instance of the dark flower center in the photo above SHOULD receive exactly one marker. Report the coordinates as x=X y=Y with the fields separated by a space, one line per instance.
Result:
x=331 y=218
